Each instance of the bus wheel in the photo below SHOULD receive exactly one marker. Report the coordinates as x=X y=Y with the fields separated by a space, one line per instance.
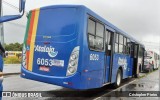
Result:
x=118 y=79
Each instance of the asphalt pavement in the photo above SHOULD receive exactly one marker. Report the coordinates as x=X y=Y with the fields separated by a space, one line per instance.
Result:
x=11 y=68
x=16 y=83
x=148 y=83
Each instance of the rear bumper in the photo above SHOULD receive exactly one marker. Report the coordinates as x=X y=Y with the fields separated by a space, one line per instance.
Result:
x=73 y=82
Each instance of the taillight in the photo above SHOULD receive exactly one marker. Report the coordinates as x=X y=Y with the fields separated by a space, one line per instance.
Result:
x=73 y=62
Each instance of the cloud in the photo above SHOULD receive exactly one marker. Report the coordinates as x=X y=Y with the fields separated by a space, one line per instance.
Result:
x=139 y=18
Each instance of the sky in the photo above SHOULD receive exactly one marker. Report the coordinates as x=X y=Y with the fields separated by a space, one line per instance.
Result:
x=139 y=18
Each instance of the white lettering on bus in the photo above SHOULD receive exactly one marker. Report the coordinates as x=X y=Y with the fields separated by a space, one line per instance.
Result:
x=44 y=49
x=94 y=57
x=50 y=62
x=50 y=50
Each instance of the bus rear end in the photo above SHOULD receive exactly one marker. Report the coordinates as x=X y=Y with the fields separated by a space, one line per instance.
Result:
x=51 y=46
x=152 y=58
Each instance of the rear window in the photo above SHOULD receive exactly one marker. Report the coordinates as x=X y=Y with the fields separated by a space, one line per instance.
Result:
x=57 y=21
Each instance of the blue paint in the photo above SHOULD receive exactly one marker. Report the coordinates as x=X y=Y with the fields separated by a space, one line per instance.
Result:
x=1 y=63
x=107 y=73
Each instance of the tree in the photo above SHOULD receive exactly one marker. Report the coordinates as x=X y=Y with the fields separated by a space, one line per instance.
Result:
x=13 y=47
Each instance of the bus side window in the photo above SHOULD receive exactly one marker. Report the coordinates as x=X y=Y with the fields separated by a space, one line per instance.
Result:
x=95 y=35
x=91 y=27
x=108 y=39
x=108 y=42
x=135 y=51
x=120 y=44
x=140 y=53
x=99 y=36
x=91 y=33
x=128 y=47
x=91 y=41
x=125 y=46
x=116 y=43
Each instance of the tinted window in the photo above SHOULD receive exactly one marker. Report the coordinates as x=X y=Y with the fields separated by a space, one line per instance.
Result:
x=116 y=47
x=120 y=44
x=135 y=51
x=91 y=26
x=96 y=38
x=99 y=43
x=120 y=39
x=128 y=46
x=124 y=40
x=109 y=38
x=91 y=41
x=120 y=48
x=140 y=53
x=99 y=29
x=117 y=36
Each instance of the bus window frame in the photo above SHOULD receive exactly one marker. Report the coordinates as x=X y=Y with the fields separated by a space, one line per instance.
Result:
x=128 y=49
x=136 y=48
x=108 y=41
x=122 y=44
x=96 y=21
x=116 y=42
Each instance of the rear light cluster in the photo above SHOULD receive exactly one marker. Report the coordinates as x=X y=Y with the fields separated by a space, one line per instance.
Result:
x=24 y=57
x=73 y=61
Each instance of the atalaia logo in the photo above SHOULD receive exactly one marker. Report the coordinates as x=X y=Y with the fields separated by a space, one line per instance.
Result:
x=50 y=50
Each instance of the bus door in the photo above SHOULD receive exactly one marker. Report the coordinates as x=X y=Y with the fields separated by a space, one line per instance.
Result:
x=134 y=55
x=109 y=35
x=140 y=62
x=129 y=51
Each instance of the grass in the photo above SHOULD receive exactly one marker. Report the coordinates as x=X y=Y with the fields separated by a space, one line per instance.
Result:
x=12 y=60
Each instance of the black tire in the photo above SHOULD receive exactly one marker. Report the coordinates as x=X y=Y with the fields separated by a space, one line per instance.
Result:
x=118 y=79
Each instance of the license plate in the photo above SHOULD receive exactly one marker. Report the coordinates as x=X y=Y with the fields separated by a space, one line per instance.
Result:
x=58 y=63
x=50 y=62
x=44 y=68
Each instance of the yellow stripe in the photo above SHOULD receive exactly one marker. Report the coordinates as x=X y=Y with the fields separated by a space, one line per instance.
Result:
x=31 y=55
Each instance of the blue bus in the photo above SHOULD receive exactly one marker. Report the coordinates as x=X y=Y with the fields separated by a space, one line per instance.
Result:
x=73 y=47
